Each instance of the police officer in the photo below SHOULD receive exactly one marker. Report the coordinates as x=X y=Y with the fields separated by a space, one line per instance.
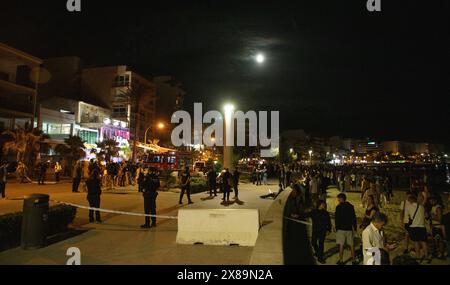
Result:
x=93 y=184
x=150 y=192
x=212 y=175
x=185 y=181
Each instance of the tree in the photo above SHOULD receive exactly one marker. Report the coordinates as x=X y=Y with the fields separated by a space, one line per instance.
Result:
x=108 y=149
x=133 y=95
x=72 y=150
x=26 y=142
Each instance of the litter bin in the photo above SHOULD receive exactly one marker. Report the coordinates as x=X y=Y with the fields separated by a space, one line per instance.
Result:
x=34 y=221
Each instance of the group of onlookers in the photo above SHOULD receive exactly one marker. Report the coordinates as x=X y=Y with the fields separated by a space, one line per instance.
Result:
x=422 y=214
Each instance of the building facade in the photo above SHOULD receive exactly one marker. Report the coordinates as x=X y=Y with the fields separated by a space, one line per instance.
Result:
x=130 y=97
x=19 y=78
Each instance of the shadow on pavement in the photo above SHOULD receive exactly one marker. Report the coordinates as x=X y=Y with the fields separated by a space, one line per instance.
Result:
x=65 y=235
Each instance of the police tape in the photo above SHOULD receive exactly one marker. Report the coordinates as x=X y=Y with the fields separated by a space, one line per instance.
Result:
x=114 y=211
x=298 y=221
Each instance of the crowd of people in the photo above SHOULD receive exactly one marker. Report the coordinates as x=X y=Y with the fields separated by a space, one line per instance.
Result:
x=422 y=214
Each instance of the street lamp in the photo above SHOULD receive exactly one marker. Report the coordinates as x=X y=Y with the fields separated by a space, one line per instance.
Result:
x=159 y=126
x=227 y=148
x=310 y=156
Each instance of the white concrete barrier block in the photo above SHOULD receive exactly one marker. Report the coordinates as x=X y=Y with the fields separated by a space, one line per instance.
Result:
x=218 y=226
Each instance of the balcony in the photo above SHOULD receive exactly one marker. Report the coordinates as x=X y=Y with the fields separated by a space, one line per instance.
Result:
x=15 y=87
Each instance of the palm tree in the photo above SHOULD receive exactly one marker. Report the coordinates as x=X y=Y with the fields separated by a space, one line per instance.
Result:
x=133 y=95
x=26 y=142
x=72 y=150
x=108 y=148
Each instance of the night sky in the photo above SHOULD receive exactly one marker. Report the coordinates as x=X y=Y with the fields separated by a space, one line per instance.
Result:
x=332 y=67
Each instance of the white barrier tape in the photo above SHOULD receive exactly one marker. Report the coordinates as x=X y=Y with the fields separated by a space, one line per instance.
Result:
x=114 y=211
x=299 y=221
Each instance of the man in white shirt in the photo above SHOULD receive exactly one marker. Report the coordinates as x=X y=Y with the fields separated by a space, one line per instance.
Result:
x=417 y=230
x=373 y=240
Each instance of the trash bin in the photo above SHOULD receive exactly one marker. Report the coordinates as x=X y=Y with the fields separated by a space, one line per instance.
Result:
x=34 y=221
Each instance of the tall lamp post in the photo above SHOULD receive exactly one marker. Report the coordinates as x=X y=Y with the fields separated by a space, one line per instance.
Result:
x=159 y=126
x=227 y=148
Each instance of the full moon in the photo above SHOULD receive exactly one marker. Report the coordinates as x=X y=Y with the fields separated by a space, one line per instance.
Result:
x=260 y=58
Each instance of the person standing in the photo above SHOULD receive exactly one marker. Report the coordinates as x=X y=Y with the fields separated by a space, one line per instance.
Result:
x=150 y=192
x=76 y=177
x=258 y=176
x=436 y=214
x=3 y=175
x=265 y=176
x=212 y=176
x=140 y=178
x=254 y=173
x=226 y=181
x=58 y=169
x=418 y=232
x=373 y=238
x=42 y=171
x=295 y=234
x=321 y=225
x=93 y=185
x=236 y=175
x=185 y=181
x=404 y=207
x=345 y=223
x=288 y=176
x=282 y=176
x=314 y=189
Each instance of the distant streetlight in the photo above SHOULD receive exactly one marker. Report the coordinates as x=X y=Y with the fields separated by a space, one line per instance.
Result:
x=159 y=126
x=310 y=156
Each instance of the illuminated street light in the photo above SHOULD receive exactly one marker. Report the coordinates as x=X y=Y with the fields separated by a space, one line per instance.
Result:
x=227 y=149
x=160 y=126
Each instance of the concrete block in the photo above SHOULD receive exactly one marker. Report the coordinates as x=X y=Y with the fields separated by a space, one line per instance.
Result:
x=218 y=226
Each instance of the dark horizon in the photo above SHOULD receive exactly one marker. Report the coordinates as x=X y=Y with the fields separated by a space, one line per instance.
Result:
x=332 y=67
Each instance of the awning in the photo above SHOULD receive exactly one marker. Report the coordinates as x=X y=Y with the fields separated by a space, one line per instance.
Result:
x=155 y=148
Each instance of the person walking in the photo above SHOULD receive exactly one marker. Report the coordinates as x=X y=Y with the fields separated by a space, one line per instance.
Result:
x=93 y=185
x=76 y=177
x=345 y=224
x=150 y=192
x=212 y=176
x=185 y=181
x=3 y=176
x=321 y=225
x=58 y=169
x=236 y=175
